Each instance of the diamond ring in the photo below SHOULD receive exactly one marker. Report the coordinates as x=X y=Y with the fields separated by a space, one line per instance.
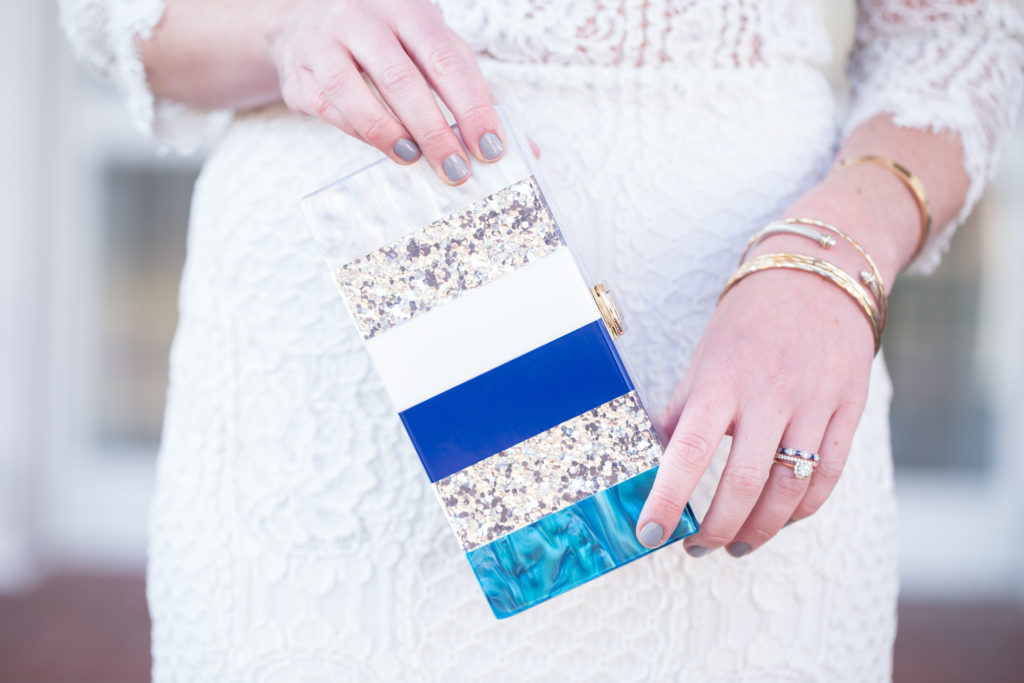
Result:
x=802 y=462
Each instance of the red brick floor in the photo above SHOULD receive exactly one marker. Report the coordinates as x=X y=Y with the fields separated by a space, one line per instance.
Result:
x=84 y=629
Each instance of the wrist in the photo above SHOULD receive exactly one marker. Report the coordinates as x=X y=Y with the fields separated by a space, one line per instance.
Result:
x=874 y=208
x=276 y=16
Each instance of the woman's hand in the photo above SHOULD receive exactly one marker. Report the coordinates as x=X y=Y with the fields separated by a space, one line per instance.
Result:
x=331 y=54
x=785 y=361
x=786 y=358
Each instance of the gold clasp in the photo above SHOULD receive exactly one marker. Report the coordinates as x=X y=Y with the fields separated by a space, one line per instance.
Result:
x=610 y=314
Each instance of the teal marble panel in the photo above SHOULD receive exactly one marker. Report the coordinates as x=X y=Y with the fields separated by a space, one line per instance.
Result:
x=568 y=547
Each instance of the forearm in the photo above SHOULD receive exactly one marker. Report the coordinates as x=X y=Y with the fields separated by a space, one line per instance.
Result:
x=211 y=55
x=871 y=203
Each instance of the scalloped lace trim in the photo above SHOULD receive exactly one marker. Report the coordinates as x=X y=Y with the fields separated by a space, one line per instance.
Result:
x=103 y=35
x=947 y=66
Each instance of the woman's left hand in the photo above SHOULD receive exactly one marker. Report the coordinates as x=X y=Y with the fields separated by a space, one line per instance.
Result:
x=784 y=361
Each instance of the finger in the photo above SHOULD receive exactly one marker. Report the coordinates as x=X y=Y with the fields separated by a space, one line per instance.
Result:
x=302 y=94
x=341 y=87
x=784 y=490
x=408 y=95
x=451 y=68
x=693 y=443
x=534 y=148
x=835 y=449
x=743 y=479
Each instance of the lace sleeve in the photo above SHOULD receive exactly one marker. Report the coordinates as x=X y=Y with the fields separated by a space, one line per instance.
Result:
x=944 y=65
x=103 y=36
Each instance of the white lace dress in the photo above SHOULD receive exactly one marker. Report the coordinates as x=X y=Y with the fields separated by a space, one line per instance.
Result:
x=294 y=535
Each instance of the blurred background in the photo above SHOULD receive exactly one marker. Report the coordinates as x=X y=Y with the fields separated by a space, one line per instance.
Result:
x=93 y=227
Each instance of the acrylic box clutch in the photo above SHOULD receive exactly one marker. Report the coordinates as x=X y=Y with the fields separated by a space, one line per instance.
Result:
x=500 y=361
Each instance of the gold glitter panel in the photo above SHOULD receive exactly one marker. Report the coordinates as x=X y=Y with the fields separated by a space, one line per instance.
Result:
x=498 y=234
x=578 y=458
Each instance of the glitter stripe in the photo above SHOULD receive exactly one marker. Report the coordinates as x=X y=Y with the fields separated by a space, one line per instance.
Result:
x=516 y=400
x=568 y=547
x=435 y=264
x=589 y=453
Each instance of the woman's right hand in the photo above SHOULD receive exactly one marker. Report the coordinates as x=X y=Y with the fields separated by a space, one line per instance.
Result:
x=329 y=52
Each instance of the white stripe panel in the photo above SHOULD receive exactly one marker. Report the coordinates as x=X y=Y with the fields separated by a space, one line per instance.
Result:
x=482 y=329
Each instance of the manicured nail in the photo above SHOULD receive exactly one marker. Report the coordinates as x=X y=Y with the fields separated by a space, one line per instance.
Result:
x=455 y=168
x=490 y=146
x=406 y=149
x=651 y=534
x=697 y=550
x=738 y=549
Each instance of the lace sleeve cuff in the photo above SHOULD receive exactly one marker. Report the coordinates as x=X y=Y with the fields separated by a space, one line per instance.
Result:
x=945 y=72
x=103 y=36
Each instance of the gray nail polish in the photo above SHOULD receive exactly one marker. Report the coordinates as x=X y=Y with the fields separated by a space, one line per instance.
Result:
x=490 y=146
x=406 y=149
x=651 y=534
x=738 y=549
x=698 y=550
x=455 y=168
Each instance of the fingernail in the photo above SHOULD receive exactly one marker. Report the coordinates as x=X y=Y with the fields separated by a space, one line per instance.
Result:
x=455 y=168
x=738 y=549
x=651 y=534
x=791 y=520
x=406 y=149
x=490 y=146
x=697 y=550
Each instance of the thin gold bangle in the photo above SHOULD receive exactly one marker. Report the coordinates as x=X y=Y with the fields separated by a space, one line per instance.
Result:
x=877 y=284
x=819 y=267
x=873 y=279
x=912 y=183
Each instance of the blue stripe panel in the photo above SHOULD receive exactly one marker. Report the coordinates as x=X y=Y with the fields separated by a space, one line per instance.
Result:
x=516 y=400
x=568 y=547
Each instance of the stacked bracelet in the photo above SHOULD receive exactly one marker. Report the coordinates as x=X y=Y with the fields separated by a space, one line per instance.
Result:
x=876 y=311
x=822 y=268
x=797 y=226
x=872 y=277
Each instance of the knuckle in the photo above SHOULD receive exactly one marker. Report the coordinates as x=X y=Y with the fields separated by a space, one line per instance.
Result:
x=445 y=61
x=715 y=537
x=760 y=535
x=396 y=78
x=790 y=486
x=321 y=105
x=689 y=449
x=375 y=127
x=745 y=480
x=806 y=509
x=436 y=139
x=828 y=470
x=337 y=83
x=853 y=402
x=664 y=503
x=483 y=110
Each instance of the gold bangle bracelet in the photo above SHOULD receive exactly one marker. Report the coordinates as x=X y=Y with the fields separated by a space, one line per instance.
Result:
x=819 y=267
x=912 y=183
x=874 y=281
x=786 y=225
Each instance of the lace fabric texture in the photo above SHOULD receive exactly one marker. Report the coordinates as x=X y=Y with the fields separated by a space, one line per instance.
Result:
x=944 y=65
x=293 y=534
